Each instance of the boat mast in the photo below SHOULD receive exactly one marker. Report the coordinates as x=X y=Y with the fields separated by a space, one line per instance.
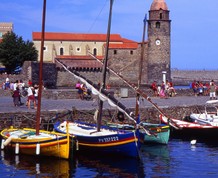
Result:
x=140 y=67
x=40 y=69
x=105 y=66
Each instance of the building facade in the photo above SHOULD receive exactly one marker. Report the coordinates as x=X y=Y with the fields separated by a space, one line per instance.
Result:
x=5 y=27
x=126 y=56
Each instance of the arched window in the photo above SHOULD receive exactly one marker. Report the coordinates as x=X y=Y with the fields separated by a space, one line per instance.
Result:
x=161 y=15
x=94 y=51
x=157 y=24
x=61 y=51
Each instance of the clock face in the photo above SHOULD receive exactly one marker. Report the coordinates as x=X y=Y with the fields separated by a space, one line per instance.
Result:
x=157 y=42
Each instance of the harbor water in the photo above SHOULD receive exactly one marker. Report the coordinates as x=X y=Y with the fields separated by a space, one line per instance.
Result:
x=177 y=159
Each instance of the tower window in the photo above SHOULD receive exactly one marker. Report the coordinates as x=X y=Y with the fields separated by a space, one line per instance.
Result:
x=161 y=15
x=115 y=51
x=61 y=51
x=94 y=51
x=131 y=52
x=157 y=24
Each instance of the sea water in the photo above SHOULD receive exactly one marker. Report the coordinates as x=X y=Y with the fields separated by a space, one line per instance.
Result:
x=177 y=159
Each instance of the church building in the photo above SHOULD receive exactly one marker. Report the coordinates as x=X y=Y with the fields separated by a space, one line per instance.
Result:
x=125 y=55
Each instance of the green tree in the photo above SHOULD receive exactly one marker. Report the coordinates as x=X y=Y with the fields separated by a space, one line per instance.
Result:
x=14 y=51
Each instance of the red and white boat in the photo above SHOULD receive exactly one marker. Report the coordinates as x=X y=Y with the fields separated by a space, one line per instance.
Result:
x=190 y=129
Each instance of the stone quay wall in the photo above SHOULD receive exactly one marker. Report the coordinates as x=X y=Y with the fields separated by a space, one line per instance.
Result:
x=27 y=119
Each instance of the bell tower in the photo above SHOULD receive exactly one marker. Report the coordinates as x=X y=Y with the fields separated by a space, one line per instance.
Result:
x=159 y=33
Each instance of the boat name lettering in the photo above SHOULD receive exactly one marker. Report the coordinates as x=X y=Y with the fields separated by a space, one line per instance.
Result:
x=108 y=139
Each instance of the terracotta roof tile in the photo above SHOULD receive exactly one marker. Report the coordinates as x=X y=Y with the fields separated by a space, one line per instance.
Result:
x=124 y=46
x=75 y=37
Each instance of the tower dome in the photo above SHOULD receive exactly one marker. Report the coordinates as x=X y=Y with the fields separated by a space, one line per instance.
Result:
x=159 y=4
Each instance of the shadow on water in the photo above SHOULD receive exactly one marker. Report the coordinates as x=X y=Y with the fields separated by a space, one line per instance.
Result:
x=81 y=165
x=109 y=166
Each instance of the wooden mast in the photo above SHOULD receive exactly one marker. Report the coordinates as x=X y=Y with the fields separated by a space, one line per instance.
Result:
x=105 y=66
x=140 y=67
x=40 y=69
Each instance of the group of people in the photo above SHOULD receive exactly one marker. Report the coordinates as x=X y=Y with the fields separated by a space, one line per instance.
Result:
x=205 y=89
x=164 y=90
x=19 y=90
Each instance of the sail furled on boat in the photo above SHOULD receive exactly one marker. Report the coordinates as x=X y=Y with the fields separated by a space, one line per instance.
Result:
x=102 y=93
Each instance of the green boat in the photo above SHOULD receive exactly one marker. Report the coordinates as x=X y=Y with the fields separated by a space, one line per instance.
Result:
x=160 y=133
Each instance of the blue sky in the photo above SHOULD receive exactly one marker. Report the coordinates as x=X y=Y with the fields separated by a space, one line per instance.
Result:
x=193 y=28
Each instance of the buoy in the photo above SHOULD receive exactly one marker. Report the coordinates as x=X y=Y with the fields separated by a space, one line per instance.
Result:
x=2 y=144
x=17 y=148
x=193 y=142
x=6 y=142
x=37 y=149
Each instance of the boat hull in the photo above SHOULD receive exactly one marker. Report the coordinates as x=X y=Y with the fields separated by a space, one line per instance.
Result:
x=160 y=134
x=58 y=145
x=122 y=143
x=195 y=133
x=191 y=130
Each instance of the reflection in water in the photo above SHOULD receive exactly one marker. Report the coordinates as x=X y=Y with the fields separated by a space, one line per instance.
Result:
x=30 y=165
x=80 y=166
x=109 y=166
x=173 y=160
x=156 y=159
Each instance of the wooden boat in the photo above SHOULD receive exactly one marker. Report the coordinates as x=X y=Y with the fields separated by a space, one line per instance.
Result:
x=25 y=141
x=36 y=141
x=190 y=130
x=106 y=141
x=95 y=137
x=158 y=133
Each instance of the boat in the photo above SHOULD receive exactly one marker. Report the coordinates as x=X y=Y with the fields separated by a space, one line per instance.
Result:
x=25 y=141
x=159 y=133
x=96 y=138
x=187 y=129
x=209 y=116
x=35 y=141
x=106 y=141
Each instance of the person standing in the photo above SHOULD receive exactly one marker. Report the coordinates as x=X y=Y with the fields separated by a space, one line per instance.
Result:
x=16 y=97
x=30 y=97
x=7 y=83
x=212 y=91
x=154 y=88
